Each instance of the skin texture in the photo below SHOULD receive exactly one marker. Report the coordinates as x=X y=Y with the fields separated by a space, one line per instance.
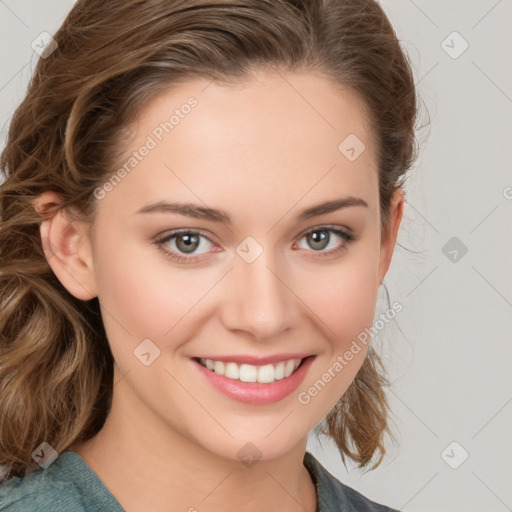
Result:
x=263 y=151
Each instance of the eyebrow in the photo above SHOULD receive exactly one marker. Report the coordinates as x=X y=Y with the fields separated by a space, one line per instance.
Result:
x=215 y=215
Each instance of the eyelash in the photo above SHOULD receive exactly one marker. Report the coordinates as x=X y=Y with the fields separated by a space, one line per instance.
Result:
x=347 y=237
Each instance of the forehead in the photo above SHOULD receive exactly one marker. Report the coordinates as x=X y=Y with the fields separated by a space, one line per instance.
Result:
x=276 y=137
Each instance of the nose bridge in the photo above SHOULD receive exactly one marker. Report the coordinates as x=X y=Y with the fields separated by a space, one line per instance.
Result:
x=260 y=302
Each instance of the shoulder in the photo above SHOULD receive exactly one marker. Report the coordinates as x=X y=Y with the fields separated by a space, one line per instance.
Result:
x=335 y=496
x=40 y=491
x=66 y=485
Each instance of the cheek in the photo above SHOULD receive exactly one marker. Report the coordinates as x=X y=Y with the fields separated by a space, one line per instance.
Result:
x=343 y=299
x=143 y=297
x=343 y=296
x=346 y=309
x=353 y=302
x=131 y=303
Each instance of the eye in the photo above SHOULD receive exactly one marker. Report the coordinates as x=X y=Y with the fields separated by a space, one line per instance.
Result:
x=321 y=237
x=184 y=242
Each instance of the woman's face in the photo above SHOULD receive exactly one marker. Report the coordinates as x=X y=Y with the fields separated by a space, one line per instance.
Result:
x=250 y=165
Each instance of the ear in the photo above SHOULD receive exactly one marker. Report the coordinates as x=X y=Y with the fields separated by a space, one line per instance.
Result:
x=67 y=247
x=388 y=238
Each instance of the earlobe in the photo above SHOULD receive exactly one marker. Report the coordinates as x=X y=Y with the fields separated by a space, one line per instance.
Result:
x=388 y=240
x=67 y=247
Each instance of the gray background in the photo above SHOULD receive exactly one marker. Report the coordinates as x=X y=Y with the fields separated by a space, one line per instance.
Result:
x=448 y=353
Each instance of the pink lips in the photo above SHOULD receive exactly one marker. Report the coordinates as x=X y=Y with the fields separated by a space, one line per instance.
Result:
x=256 y=392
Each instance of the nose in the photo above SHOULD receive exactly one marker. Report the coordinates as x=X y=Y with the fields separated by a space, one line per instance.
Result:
x=260 y=299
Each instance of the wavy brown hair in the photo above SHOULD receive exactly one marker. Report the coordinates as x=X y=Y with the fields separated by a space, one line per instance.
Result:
x=56 y=367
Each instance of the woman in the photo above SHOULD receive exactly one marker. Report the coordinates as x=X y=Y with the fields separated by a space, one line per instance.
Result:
x=201 y=201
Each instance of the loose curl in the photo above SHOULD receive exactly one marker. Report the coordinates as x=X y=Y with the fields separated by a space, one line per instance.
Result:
x=112 y=58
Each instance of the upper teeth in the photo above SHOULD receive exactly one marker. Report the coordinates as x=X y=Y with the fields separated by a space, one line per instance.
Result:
x=250 y=373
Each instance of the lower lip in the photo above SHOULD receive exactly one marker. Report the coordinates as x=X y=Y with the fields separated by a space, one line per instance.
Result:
x=256 y=392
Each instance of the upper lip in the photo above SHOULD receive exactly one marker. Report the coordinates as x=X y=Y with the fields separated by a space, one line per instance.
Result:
x=256 y=361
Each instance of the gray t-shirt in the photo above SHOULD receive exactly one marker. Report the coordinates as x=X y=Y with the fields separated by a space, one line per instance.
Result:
x=70 y=485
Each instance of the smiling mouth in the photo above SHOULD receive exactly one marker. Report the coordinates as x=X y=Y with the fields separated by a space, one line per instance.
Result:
x=243 y=372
